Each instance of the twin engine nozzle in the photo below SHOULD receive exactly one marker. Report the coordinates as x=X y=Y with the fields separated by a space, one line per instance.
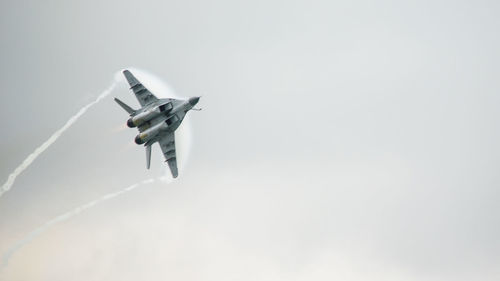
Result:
x=130 y=123
x=150 y=133
x=141 y=118
x=147 y=115
x=139 y=140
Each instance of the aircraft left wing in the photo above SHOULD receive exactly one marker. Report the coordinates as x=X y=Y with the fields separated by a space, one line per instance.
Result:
x=143 y=95
x=167 y=144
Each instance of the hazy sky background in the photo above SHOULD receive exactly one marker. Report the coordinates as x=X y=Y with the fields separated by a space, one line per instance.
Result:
x=339 y=140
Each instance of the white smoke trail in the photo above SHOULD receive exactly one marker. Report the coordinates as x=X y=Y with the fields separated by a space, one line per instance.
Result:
x=27 y=162
x=64 y=217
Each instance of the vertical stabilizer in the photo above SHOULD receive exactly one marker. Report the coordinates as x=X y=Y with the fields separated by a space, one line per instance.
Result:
x=124 y=106
x=148 y=156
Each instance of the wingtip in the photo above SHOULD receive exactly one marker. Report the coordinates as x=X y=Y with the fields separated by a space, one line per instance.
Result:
x=127 y=74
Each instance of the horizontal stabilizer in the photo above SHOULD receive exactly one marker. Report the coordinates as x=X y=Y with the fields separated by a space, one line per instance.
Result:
x=124 y=106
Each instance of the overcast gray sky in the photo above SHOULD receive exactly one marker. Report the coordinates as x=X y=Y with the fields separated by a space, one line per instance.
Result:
x=339 y=140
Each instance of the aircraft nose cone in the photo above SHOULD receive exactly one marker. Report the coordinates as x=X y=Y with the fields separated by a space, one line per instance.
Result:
x=194 y=100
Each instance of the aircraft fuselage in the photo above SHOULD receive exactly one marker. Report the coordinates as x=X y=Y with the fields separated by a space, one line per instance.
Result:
x=165 y=115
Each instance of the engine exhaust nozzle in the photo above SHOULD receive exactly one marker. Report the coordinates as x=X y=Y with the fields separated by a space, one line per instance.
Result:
x=130 y=123
x=139 y=140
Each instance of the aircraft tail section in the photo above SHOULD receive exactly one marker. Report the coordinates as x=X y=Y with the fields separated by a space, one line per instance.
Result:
x=148 y=156
x=125 y=106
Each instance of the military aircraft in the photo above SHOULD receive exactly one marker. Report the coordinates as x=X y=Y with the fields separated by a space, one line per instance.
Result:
x=156 y=120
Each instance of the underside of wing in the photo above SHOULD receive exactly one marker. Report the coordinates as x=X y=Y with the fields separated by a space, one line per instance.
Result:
x=167 y=144
x=144 y=96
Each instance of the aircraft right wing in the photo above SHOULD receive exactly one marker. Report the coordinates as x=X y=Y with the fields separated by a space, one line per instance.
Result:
x=167 y=144
x=143 y=95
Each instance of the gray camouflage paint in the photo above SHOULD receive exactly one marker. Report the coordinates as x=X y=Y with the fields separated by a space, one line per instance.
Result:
x=156 y=120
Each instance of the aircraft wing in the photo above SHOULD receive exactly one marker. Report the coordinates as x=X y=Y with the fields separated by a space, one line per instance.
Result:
x=143 y=95
x=167 y=144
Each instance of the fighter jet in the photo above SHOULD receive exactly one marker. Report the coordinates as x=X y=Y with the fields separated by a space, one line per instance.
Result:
x=156 y=120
